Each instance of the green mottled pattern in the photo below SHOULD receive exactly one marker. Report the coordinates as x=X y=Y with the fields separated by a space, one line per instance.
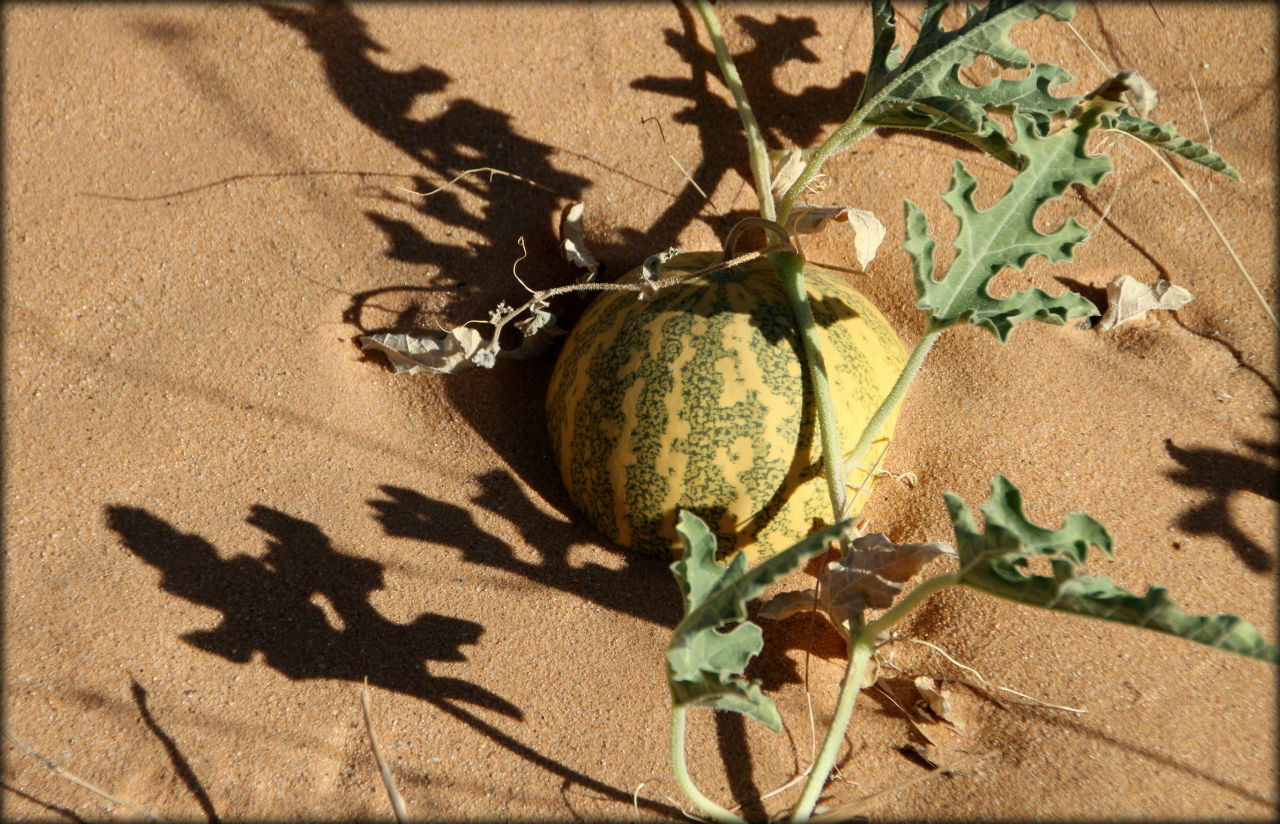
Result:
x=697 y=400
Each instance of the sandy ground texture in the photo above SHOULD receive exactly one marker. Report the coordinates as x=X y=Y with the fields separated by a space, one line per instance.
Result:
x=220 y=516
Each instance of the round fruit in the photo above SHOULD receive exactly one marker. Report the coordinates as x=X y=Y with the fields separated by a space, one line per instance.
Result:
x=698 y=400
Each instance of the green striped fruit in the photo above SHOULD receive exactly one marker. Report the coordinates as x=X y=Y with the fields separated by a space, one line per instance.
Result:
x=698 y=400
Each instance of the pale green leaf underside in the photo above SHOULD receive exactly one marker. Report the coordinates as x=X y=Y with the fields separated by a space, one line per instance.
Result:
x=995 y=561
x=923 y=90
x=1166 y=137
x=703 y=664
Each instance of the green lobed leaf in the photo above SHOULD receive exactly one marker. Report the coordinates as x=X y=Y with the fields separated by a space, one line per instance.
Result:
x=1005 y=235
x=995 y=561
x=923 y=89
x=1166 y=137
x=704 y=665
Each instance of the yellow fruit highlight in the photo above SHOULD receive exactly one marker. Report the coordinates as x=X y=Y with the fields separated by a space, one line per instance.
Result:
x=698 y=400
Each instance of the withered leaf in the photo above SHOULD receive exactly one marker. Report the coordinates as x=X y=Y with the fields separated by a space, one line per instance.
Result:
x=868 y=231
x=1128 y=298
x=573 y=245
x=869 y=575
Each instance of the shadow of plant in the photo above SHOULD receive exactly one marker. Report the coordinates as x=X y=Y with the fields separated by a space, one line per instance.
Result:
x=464 y=135
x=268 y=607
x=785 y=119
x=641 y=587
x=1223 y=476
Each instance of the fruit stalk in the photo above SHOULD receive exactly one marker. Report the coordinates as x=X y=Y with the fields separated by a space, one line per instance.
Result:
x=790 y=269
x=758 y=154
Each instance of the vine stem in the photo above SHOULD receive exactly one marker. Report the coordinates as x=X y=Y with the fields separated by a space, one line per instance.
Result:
x=851 y=132
x=758 y=154
x=706 y=805
x=860 y=651
x=914 y=361
x=790 y=269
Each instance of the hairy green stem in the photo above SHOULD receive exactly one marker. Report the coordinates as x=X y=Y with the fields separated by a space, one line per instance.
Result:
x=790 y=268
x=860 y=652
x=758 y=154
x=872 y=431
x=706 y=805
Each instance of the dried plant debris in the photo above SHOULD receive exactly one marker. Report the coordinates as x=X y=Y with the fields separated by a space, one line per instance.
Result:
x=869 y=575
x=936 y=701
x=463 y=347
x=1128 y=298
x=573 y=244
x=807 y=218
x=868 y=231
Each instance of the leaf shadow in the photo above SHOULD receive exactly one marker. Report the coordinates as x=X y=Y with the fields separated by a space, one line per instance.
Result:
x=638 y=586
x=786 y=119
x=269 y=609
x=271 y=606
x=1222 y=476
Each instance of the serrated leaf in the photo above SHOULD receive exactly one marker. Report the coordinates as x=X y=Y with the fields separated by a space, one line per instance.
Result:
x=995 y=561
x=923 y=90
x=1005 y=235
x=870 y=574
x=1166 y=137
x=704 y=665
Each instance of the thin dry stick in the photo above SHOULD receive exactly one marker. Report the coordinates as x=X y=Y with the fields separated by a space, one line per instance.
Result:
x=662 y=135
x=1230 y=249
x=847 y=811
x=397 y=800
x=492 y=171
x=1195 y=87
x=236 y=178
x=77 y=780
x=1266 y=307
x=1036 y=701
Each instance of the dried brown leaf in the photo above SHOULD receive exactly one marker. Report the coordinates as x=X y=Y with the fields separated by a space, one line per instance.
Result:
x=573 y=244
x=1128 y=298
x=869 y=575
x=457 y=351
x=868 y=231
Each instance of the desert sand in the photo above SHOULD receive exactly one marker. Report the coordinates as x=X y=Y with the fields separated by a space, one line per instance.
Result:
x=220 y=516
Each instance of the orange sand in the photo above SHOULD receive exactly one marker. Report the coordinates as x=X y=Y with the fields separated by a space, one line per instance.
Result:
x=220 y=517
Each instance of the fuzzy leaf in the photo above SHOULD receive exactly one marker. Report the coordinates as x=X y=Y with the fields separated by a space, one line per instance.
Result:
x=869 y=575
x=923 y=89
x=995 y=561
x=1005 y=235
x=704 y=664
x=1166 y=137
